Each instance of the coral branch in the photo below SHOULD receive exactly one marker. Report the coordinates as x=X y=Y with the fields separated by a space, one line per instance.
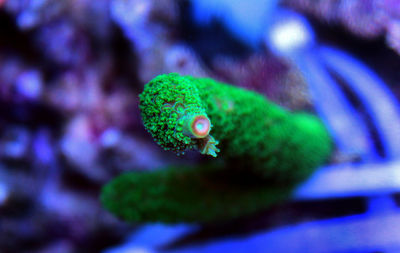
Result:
x=267 y=150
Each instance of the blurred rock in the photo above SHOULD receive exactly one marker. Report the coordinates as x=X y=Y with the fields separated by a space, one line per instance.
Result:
x=366 y=18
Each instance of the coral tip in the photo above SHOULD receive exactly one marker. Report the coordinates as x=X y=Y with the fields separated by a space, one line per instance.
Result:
x=200 y=126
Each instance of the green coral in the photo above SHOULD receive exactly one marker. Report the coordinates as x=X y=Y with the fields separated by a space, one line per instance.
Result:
x=201 y=194
x=267 y=150
x=165 y=104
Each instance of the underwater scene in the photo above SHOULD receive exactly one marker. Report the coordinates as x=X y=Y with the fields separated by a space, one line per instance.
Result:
x=179 y=126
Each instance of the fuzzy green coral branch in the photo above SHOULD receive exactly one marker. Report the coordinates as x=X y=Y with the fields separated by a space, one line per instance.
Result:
x=259 y=141
x=180 y=194
x=250 y=130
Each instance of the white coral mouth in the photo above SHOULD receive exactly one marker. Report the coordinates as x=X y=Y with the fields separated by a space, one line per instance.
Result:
x=201 y=126
x=196 y=126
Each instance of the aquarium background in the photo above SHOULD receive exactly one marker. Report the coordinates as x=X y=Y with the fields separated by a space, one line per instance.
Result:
x=70 y=75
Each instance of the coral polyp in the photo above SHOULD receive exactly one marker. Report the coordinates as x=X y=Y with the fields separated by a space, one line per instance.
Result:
x=198 y=126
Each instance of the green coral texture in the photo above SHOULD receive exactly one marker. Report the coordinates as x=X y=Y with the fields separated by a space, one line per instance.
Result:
x=263 y=152
x=164 y=103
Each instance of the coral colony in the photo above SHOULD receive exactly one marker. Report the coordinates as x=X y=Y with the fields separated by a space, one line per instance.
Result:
x=266 y=150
